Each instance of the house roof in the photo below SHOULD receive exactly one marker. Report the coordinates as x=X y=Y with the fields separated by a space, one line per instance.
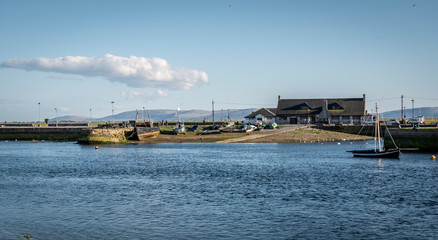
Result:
x=336 y=106
x=266 y=112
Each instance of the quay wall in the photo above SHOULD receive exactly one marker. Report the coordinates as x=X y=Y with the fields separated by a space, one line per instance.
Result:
x=83 y=135
x=43 y=133
x=107 y=136
x=423 y=139
x=367 y=130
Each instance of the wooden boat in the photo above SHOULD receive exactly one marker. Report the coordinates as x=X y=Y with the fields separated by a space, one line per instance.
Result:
x=179 y=128
x=394 y=153
x=248 y=128
x=144 y=130
x=377 y=152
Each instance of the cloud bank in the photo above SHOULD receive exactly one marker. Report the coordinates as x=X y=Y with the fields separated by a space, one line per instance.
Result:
x=133 y=71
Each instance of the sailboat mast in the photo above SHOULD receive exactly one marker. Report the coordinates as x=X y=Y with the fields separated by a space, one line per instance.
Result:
x=378 y=127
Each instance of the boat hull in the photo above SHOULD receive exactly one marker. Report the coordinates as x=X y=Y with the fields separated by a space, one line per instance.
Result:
x=143 y=133
x=179 y=130
x=376 y=154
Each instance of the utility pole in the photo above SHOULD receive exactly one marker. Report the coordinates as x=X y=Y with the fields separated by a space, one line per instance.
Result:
x=212 y=110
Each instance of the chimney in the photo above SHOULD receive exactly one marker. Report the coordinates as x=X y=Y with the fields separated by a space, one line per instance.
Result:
x=278 y=97
x=325 y=105
x=364 y=105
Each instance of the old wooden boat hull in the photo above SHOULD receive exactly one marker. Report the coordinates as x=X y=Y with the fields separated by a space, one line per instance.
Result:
x=143 y=133
x=376 y=154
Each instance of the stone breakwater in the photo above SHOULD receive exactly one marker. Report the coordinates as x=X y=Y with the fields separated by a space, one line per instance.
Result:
x=106 y=136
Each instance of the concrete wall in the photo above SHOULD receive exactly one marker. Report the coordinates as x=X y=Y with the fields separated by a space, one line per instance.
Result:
x=43 y=133
x=423 y=139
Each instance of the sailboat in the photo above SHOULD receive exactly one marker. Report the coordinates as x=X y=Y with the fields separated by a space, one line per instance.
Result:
x=377 y=152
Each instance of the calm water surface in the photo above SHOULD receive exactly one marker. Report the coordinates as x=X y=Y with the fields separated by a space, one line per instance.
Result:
x=214 y=191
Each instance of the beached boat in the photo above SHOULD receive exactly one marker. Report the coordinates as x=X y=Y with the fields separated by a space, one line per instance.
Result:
x=248 y=128
x=179 y=127
x=144 y=130
x=377 y=152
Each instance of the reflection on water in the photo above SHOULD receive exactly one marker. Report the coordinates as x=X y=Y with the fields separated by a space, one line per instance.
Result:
x=205 y=191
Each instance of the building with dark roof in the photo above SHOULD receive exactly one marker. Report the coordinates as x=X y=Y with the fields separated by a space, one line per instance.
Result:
x=335 y=110
x=265 y=115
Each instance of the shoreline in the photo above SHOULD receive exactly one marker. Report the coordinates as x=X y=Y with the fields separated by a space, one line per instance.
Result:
x=265 y=136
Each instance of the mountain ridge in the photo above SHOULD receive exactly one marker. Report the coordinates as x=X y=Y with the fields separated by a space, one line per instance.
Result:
x=166 y=114
x=235 y=114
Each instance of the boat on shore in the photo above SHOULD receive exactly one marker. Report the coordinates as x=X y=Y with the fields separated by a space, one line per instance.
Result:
x=144 y=130
x=377 y=152
x=248 y=128
x=179 y=127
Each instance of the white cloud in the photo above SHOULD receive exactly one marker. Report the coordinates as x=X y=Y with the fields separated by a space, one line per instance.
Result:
x=133 y=71
x=162 y=93
x=63 y=109
x=130 y=95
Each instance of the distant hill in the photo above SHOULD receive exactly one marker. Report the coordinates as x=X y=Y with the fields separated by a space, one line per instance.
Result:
x=71 y=118
x=169 y=115
x=235 y=114
x=427 y=112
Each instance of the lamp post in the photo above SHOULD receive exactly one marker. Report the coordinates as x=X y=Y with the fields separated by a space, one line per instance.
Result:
x=404 y=114
x=56 y=116
x=112 y=106
x=90 y=117
x=39 y=114
x=413 y=108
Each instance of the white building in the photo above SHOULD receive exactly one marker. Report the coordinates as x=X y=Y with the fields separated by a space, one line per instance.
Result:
x=265 y=115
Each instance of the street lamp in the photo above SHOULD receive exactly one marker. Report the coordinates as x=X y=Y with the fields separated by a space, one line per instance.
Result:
x=413 y=108
x=90 y=117
x=39 y=114
x=112 y=106
x=56 y=118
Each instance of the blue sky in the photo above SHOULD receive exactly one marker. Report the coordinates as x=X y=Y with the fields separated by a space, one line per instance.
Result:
x=77 y=55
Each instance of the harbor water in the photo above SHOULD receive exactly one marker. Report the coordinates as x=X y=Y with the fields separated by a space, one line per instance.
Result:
x=52 y=190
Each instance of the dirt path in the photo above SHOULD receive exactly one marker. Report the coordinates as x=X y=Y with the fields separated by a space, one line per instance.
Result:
x=264 y=133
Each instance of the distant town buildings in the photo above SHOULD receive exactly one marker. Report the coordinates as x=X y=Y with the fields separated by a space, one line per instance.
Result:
x=303 y=111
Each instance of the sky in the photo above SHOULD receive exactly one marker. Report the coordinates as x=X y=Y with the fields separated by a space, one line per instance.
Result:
x=74 y=56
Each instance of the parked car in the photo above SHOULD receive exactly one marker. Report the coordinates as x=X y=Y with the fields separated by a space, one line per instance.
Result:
x=416 y=120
